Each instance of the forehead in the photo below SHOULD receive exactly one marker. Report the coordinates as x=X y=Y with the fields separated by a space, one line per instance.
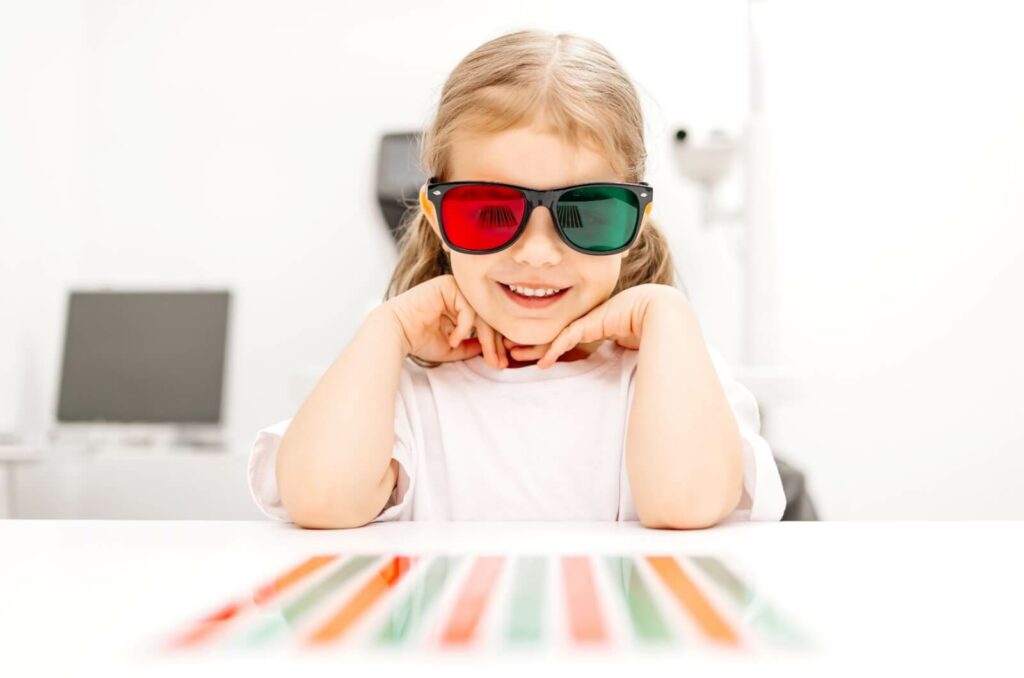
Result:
x=527 y=156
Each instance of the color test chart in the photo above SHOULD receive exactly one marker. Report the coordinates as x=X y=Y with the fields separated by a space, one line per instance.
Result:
x=465 y=602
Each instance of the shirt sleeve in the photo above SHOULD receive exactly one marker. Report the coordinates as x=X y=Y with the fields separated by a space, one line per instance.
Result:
x=263 y=474
x=262 y=471
x=763 y=497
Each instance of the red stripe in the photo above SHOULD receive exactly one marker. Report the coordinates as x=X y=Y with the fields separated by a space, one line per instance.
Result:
x=585 y=621
x=469 y=608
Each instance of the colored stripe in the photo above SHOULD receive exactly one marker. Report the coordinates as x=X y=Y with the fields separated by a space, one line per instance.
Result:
x=405 y=618
x=268 y=592
x=647 y=622
x=473 y=598
x=527 y=605
x=755 y=610
x=691 y=598
x=585 y=622
x=286 y=619
x=386 y=578
x=206 y=626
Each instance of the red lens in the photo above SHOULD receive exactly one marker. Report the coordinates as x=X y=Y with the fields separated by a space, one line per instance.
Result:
x=480 y=217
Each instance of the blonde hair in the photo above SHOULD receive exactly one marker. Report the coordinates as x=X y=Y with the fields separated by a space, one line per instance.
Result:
x=507 y=82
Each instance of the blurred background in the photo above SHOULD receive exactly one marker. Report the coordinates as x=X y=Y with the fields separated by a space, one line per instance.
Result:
x=211 y=182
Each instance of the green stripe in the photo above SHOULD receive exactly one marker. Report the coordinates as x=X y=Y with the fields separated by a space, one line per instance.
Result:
x=414 y=608
x=287 y=617
x=755 y=611
x=647 y=621
x=527 y=603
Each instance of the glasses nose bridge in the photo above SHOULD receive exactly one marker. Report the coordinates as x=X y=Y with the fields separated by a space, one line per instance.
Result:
x=543 y=199
x=547 y=199
x=540 y=199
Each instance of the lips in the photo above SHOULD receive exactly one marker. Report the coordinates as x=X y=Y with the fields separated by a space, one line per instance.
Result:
x=536 y=285
x=534 y=302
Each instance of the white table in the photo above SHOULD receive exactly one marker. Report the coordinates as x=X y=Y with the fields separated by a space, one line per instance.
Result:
x=84 y=596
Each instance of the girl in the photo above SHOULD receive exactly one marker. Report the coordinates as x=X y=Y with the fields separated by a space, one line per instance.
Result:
x=532 y=359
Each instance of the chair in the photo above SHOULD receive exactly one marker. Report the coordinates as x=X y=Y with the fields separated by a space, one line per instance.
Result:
x=799 y=505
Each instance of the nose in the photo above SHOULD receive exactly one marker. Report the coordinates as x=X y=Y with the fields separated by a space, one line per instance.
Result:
x=539 y=245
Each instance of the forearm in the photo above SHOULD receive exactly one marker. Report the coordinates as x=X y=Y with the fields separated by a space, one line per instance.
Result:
x=684 y=453
x=334 y=466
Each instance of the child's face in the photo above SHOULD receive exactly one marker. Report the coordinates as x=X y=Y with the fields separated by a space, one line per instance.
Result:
x=537 y=159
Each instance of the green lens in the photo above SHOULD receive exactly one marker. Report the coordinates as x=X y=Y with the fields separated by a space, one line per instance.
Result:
x=598 y=218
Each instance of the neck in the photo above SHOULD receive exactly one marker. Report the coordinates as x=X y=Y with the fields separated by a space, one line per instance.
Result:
x=578 y=352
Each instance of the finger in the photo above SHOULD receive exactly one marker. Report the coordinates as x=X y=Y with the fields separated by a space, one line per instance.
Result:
x=467 y=349
x=529 y=352
x=465 y=322
x=486 y=337
x=568 y=338
x=446 y=325
x=463 y=327
x=502 y=352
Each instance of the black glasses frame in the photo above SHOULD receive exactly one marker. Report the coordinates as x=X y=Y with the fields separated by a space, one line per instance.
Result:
x=643 y=191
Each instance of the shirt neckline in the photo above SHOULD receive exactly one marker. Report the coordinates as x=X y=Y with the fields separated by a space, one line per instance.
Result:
x=606 y=353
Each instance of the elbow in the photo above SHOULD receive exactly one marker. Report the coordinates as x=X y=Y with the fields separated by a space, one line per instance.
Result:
x=313 y=503
x=329 y=515
x=314 y=520
x=692 y=508
x=681 y=518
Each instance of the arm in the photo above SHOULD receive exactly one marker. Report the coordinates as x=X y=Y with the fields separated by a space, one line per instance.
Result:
x=334 y=465
x=684 y=453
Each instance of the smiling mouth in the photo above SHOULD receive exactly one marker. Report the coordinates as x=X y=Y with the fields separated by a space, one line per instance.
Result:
x=533 y=301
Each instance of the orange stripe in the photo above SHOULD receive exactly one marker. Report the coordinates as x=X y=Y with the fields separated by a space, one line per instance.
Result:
x=469 y=608
x=363 y=600
x=215 y=620
x=691 y=598
x=265 y=593
x=584 y=613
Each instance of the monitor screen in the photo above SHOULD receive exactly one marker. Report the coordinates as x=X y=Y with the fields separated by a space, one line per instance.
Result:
x=144 y=357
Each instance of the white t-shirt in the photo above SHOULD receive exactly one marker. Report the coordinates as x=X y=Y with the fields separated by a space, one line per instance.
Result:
x=475 y=442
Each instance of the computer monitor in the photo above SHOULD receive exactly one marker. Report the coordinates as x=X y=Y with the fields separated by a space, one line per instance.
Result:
x=144 y=357
x=399 y=177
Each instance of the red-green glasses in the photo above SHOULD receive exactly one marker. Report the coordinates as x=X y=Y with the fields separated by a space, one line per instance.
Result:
x=483 y=217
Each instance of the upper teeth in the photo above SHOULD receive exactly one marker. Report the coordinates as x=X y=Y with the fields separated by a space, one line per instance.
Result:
x=528 y=292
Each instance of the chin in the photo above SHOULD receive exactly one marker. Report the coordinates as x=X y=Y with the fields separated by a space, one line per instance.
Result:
x=534 y=336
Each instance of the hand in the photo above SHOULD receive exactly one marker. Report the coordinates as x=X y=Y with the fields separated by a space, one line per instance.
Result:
x=620 y=318
x=436 y=321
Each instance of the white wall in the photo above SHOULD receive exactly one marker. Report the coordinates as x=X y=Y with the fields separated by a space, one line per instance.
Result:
x=898 y=137
x=167 y=144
